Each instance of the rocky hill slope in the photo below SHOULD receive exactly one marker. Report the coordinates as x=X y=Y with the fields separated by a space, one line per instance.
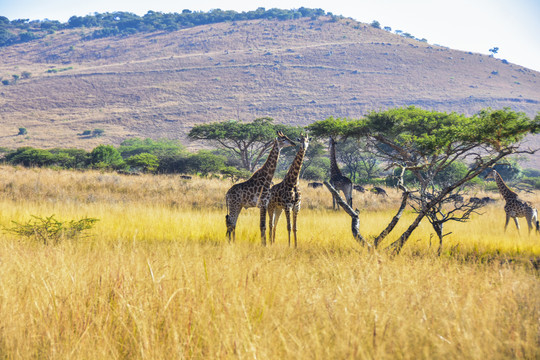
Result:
x=297 y=71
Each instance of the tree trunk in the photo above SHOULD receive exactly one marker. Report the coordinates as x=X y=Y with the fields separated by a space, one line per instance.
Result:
x=355 y=221
x=394 y=221
x=398 y=244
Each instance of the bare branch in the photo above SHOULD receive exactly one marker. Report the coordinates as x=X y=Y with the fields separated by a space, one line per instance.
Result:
x=355 y=224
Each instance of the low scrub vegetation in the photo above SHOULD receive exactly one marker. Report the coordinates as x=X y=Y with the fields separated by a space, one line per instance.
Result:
x=126 y=23
x=49 y=230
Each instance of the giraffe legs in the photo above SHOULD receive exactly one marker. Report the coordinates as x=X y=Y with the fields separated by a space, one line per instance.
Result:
x=263 y=225
x=288 y=216
x=294 y=216
x=517 y=223
x=230 y=222
x=274 y=218
x=506 y=223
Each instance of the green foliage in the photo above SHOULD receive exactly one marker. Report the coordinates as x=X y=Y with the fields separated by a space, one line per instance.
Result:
x=450 y=174
x=330 y=127
x=29 y=156
x=234 y=174
x=248 y=141
x=376 y=24
x=56 y=70
x=106 y=156
x=22 y=131
x=98 y=132
x=318 y=170
x=49 y=230
x=205 y=162
x=160 y=148
x=509 y=170
x=144 y=161
x=66 y=158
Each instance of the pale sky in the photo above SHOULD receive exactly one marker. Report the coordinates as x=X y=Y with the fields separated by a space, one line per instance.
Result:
x=469 y=25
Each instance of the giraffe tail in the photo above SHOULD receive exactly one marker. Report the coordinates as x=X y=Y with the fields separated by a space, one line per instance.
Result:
x=227 y=218
x=536 y=222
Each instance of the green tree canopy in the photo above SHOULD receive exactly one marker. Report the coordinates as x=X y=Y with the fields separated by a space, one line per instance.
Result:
x=144 y=161
x=248 y=141
x=106 y=156
x=160 y=148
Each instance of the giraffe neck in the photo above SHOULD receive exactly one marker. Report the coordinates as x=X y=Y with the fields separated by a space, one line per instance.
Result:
x=266 y=172
x=334 y=169
x=291 y=178
x=505 y=191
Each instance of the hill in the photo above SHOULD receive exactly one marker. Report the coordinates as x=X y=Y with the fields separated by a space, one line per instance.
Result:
x=160 y=84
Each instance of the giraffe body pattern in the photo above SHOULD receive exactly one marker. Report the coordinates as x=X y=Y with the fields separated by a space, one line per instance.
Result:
x=286 y=196
x=337 y=180
x=255 y=191
x=515 y=207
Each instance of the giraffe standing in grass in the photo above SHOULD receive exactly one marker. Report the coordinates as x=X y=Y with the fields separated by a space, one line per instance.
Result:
x=255 y=191
x=286 y=195
x=515 y=207
x=337 y=180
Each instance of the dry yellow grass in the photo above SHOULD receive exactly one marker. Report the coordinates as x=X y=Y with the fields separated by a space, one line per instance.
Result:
x=157 y=279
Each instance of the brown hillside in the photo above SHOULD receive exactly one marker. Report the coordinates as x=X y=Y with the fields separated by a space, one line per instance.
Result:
x=299 y=71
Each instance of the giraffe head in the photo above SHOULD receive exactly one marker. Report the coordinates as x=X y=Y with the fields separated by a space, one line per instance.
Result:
x=283 y=140
x=491 y=174
x=304 y=141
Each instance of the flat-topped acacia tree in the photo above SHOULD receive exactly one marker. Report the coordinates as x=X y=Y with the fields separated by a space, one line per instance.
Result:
x=427 y=143
x=249 y=141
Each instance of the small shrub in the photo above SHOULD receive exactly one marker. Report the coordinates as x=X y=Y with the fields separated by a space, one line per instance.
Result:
x=98 y=132
x=22 y=131
x=49 y=230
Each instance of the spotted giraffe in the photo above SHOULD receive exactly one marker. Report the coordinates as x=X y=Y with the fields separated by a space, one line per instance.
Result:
x=337 y=180
x=515 y=207
x=286 y=195
x=255 y=191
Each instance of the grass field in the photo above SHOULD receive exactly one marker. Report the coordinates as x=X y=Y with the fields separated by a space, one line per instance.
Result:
x=156 y=278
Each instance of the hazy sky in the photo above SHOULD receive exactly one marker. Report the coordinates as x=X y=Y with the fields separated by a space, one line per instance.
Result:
x=470 y=25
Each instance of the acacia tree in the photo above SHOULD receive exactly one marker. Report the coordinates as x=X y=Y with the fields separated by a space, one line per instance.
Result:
x=248 y=141
x=427 y=143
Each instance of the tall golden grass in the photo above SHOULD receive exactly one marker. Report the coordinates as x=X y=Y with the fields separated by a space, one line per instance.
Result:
x=158 y=280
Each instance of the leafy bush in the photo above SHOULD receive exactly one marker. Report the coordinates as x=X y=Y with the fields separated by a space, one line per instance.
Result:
x=206 y=162
x=106 y=156
x=49 y=230
x=144 y=161
x=159 y=148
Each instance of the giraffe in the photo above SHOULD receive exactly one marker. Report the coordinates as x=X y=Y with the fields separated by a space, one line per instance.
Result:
x=286 y=195
x=515 y=207
x=337 y=180
x=254 y=192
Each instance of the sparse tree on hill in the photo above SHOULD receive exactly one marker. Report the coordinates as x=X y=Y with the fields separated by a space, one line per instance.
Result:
x=376 y=24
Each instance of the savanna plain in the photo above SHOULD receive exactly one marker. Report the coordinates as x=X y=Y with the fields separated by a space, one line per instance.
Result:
x=156 y=278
